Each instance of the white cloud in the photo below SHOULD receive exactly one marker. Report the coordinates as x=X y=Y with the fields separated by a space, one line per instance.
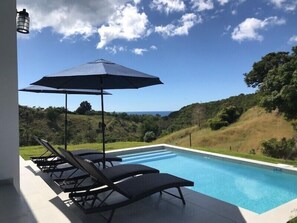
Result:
x=69 y=18
x=182 y=27
x=223 y=2
x=115 y=49
x=202 y=5
x=234 y=12
x=249 y=29
x=153 y=47
x=137 y=1
x=287 y=5
x=168 y=6
x=227 y=30
x=126 y=23
x=277 y=3
x=293 y=40
x=139 y=51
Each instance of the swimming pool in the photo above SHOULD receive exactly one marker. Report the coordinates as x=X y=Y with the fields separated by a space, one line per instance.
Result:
x=248 y=186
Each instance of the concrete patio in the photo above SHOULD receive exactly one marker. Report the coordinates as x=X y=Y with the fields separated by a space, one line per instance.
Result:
x=42 y=201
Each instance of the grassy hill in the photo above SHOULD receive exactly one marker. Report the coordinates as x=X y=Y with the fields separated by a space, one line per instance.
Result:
x=254 y=126
x=200 y=113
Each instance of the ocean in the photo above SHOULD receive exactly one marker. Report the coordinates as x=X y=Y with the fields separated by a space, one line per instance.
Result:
x=161 y=113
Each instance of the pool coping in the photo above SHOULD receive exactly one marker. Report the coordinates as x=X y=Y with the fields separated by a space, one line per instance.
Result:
x=280 y=214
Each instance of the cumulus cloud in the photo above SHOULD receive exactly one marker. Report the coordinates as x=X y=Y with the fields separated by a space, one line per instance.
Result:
x=250 y=28
x=287 y=5
x=182 y=27
x=202 y=5
x=69 y=18
x=168 y=6
x=293 y=40
x=126 y=23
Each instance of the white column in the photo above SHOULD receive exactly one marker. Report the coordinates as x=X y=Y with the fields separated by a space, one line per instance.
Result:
x=9 y=121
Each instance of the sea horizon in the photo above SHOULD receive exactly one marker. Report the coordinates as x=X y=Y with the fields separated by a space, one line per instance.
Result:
x=161 y=113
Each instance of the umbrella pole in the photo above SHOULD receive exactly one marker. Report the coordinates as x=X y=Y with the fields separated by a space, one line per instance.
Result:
x=65 y=123
x=103 y=126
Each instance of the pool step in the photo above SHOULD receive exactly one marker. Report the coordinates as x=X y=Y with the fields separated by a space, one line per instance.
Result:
x=147 y=156
x=142 y=153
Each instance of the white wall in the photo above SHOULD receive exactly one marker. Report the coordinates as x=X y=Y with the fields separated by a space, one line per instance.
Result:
x=9 y=122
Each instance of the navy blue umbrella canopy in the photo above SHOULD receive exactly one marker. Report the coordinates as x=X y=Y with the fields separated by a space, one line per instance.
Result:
x=43 y=89
x=100 y=75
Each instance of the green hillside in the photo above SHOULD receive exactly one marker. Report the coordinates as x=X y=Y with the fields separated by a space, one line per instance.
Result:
x=49 y=124
x=200 y=113
x=254 y=126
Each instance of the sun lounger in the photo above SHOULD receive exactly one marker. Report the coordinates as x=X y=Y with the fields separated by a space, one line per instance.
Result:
x=60 y=165
x=129 y=190
x=49 y=155
x=79 y=180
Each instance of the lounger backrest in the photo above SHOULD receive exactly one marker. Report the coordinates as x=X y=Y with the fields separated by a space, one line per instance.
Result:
x=94 y=172
x=46 y=145
x=68 y=156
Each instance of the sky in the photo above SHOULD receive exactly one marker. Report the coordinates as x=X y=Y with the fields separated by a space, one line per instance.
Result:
x=199 y=49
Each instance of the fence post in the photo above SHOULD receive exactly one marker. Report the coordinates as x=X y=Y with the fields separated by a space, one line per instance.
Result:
x=190 y=137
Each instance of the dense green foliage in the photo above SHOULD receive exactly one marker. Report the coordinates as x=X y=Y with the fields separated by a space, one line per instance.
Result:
x=283 y=149
x=275 y=75
x=225 y=117
x=49 y=124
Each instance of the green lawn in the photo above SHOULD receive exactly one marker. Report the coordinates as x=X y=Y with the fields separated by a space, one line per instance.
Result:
x=27 y=151
x=259 y=157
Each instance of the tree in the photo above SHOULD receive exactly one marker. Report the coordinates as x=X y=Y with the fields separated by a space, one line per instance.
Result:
x=83 y=108
x=276 y=77
x=260 y=69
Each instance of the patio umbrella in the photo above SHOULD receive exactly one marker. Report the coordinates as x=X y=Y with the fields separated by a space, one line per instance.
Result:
x=43 y=89
x=100 y=75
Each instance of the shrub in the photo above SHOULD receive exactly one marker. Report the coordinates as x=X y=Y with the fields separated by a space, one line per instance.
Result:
x=216 y=123
x=284 y=148
x=225 y=117
x=149 y=136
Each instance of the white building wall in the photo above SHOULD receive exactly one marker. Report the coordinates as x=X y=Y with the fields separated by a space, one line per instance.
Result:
x=9 y=122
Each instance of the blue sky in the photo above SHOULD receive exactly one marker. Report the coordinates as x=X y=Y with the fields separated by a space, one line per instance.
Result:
x=200 y=49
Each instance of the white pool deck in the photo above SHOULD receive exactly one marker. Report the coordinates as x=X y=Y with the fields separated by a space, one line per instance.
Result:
x=42 y=201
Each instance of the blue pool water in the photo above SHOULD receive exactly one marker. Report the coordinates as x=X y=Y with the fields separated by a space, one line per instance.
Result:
x=247 y=186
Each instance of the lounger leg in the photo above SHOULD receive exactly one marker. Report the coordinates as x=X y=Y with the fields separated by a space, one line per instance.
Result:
x=111 y=215
x=181 y=195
